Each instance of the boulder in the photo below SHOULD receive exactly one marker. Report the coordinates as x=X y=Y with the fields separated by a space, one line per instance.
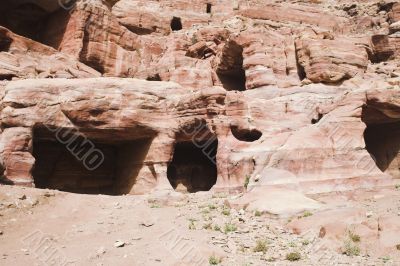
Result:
x=275 y=201
x=331 y=61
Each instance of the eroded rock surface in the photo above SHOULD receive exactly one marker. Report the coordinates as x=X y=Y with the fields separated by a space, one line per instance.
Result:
x=283 y=94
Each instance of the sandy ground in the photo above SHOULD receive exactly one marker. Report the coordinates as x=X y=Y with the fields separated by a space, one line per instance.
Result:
x=44 y=227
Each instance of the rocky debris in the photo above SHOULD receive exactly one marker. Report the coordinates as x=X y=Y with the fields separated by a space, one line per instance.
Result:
x=319 y=237
x=119 y=244
x=395 y=27
x=279 y=202
x=200 y=50
x=274 y=87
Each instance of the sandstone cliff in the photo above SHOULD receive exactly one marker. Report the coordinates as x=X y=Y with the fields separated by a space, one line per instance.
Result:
x=199 y=95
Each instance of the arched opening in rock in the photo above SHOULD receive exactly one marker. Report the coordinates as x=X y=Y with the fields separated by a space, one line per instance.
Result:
x=5 y=42
x=193 y=167
x=208 y=8
x=176 y=24
x=155 y=77
x=382 y=140
x=31 y=19
x=230 y=69
x=244 y=134
x=194 y=163
x=70 y=162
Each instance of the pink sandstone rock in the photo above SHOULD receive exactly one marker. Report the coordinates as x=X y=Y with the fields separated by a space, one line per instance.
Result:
x=288 y=95
x=331 y=61
x=394 y=13
x=23 y=58
x=296 y=13
x=90 y=33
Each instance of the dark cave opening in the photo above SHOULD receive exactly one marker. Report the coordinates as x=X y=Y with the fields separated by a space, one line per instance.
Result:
x=243 y=134
x=193 y=167
x=155 y=77
x=5 y=41
x=176 y=24
x=32 y=21
x=230 y=71
x=316 y=120
x=382 y=140
x=208 y=8
x=76 y=164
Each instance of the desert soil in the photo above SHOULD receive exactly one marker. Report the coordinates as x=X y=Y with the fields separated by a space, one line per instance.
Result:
x=38 y=227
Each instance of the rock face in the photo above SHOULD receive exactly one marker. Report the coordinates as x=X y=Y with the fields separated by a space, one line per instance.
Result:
x=126 y=96
x=91 y=34
x=24 y=58
x=331 y=61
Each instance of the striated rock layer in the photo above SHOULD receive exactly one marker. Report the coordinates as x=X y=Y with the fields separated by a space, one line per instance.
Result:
x=126 y=96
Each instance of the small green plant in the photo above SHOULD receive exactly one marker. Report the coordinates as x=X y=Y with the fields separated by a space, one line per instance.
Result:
x=271 y=259
x=226 y=212
x=155 y=206
x=246 y=181
x=354 y=237
x=291 y=244
x=192 y=226
x=206 y=217
x=305 y=242
x=307 y=214
x=207 y=226
x=397 y=186
x=257 y=213
x=350 y=249
x=261 y=246
x=217 y=228
x=212 y=207
x=385 y=259
x=293 y=256
x=194 y=39
x=213 y=260
x=229 y=228
x=205 y=211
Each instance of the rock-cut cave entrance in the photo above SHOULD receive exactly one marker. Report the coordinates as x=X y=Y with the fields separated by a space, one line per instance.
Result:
x=230 y=70
x=31 y=20
x=193 y=167
x=73 y=163
x=176 y=24
x=382 y=140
